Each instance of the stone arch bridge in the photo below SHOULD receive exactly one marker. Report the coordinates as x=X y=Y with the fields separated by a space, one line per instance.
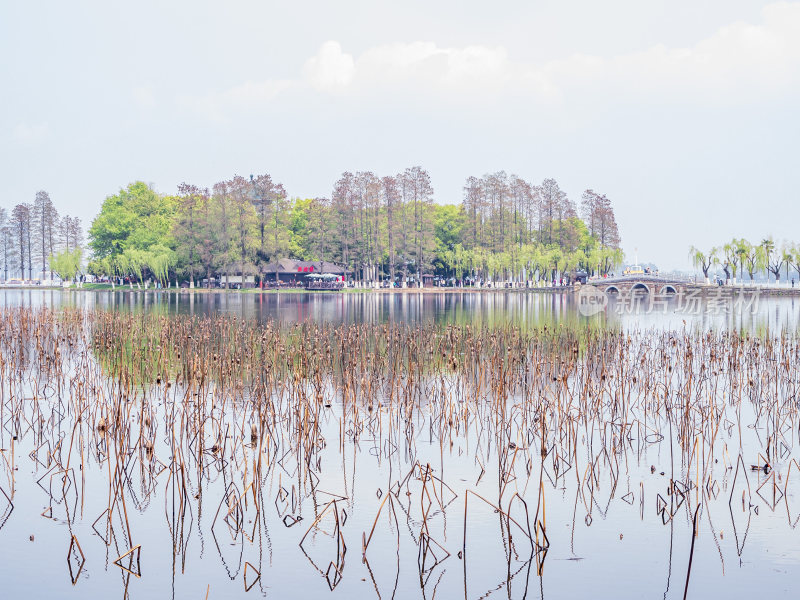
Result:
x=643 y=284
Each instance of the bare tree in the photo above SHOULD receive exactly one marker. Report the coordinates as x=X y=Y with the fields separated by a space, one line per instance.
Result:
x=71 y=232
x=188 y=226
x=21 y=227
x=51 y=233
x=268 y=199
x=598 y=214
x=207 y=235
x=65 y=232
x=77 y=233
x=522 y=200
x=391 y=197
x=550 y=208
x=376 y=244
x=472 y=202
x=5 y=241
x=344 y=202
x=367 y=198
x=222 y=222
x=567 y=235
x=497 y=195
x=320 y=228
x=244 y=223
x=405 y=225
x=43 y=217
x=421 y=196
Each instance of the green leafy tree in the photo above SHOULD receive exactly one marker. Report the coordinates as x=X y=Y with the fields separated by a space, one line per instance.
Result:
x=135 y=262
x=703 y=261
x=755 y=259
x=160 y=260
x=768 y=246
x=449 y=222
x=794 y=259
x=67 y=263
x=137 y=218
x=104 y=267
x=729 y=260
x=741 y=250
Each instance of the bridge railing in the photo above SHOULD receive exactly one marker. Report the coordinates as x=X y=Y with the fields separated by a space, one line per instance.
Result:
x=643 y=279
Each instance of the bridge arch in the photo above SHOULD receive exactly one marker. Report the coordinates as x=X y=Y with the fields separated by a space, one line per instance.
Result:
x=668 y=289
x=639 y=288
x=612 y=289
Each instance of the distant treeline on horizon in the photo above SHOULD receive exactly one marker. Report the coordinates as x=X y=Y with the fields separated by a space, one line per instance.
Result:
x=378 y=228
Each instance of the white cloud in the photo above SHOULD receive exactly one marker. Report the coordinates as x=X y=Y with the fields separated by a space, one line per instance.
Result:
x=330 y=69
x=741 y=58
x=432 y=65
x=30 y=135
x=739 y=62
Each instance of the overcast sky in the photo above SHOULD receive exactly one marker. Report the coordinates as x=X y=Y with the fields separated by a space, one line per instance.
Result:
x=684 y=113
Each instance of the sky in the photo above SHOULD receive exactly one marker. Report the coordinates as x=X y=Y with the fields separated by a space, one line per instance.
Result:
x=684 y=113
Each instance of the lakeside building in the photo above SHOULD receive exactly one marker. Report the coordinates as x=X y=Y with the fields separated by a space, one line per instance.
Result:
x=291 y=271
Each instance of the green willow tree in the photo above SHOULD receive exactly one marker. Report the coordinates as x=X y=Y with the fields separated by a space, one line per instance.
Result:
x=739 y=256
x=66 y=264
x=702 y=260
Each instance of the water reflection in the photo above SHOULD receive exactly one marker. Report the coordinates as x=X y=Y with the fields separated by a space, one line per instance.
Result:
x=770 y=314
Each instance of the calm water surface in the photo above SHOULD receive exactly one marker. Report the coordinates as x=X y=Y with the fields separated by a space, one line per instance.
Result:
x=617 y=526
x=486 y=308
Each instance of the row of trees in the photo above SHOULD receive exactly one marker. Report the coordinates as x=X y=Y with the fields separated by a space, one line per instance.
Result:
x=504 y=211
x=31 y=234
x=739 y=256
x=514 y=229
x=377 y=226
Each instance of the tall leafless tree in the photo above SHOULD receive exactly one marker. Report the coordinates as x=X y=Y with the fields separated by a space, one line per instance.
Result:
x=551 y=208
x=222 y=221
x=44 y=214
x=268 y=199
x=390 y=192
x=419 y=195
x=244 y=220
x=21 y=217
x=320 y=225
x=5 y=241
x=473 y=208
x=188 y=226
x=598 y=214
x=344 y=202
x=71 y=232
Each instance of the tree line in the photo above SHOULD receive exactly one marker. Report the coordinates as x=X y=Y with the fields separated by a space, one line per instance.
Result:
x=378 y=227
x=33 y=234
x=739 y=256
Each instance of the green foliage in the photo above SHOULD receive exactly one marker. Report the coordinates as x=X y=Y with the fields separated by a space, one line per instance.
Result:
x=135 y=218
x=375 y=226
x=740 y=257
x=448 y=223
x=702 y=260
x=66 y=263
x=300 y=228
x=160 y=259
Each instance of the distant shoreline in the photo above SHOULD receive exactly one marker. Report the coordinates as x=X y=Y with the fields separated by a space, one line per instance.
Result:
x=706 y=290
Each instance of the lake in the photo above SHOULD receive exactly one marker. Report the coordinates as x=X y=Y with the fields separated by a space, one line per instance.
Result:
x=417 y=445
x=457 y=308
